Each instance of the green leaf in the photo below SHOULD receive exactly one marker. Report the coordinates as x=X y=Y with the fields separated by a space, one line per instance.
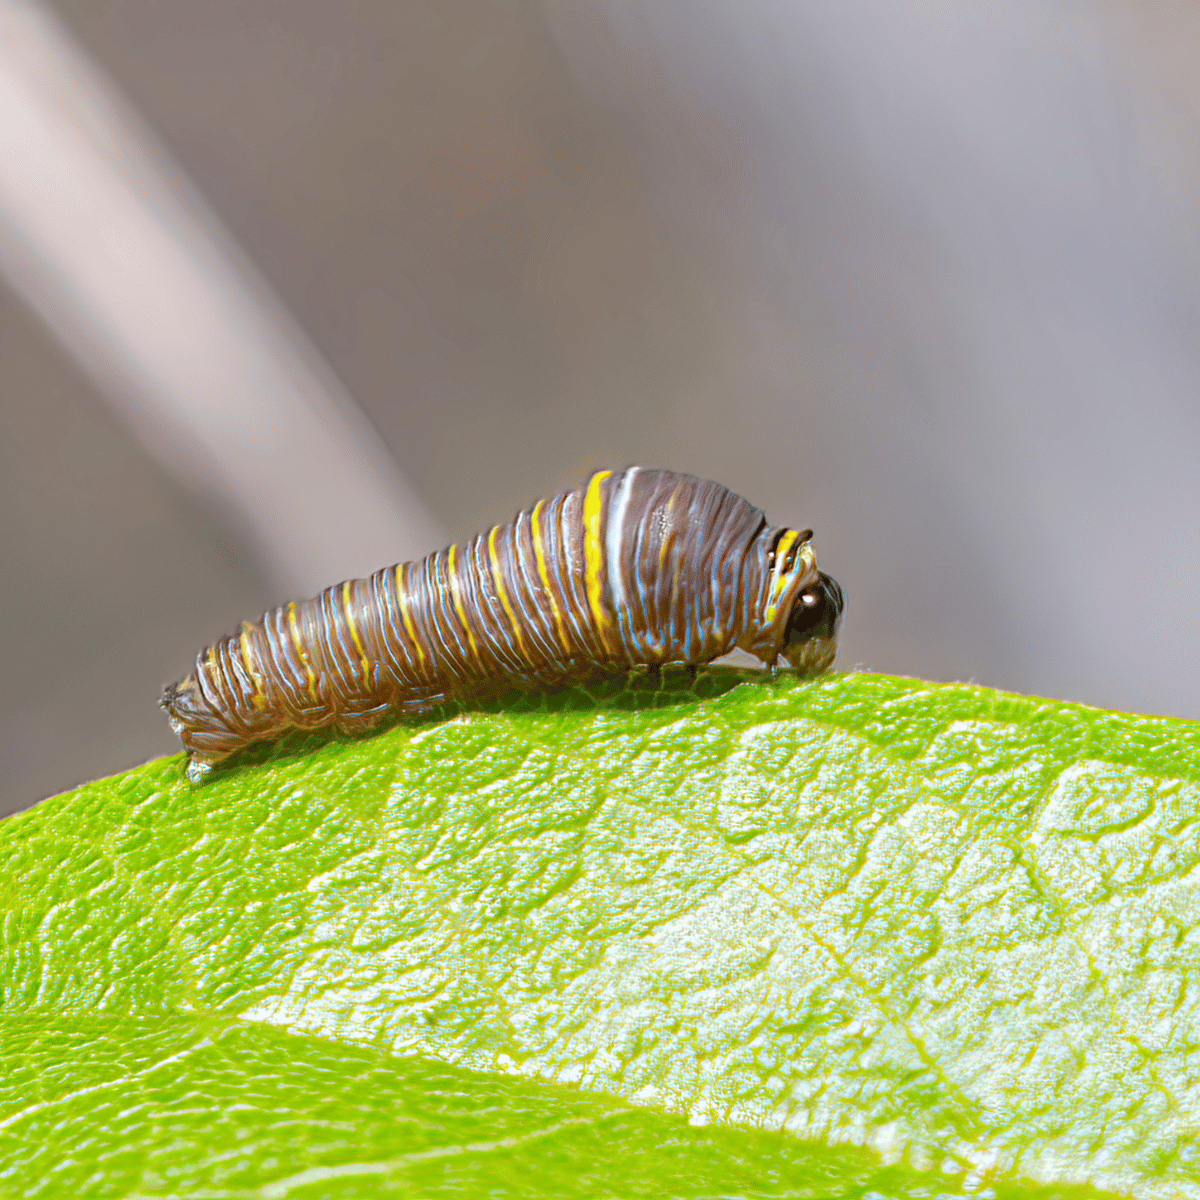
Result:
x=950 y=926
x=216 y=1106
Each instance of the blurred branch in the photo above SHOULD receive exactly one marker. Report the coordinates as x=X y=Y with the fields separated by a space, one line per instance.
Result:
x=107 y=240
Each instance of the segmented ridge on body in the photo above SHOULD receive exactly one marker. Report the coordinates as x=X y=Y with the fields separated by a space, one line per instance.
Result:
x=639 y=567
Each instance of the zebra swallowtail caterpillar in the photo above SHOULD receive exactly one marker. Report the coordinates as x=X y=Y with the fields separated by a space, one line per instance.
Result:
x=637 y=568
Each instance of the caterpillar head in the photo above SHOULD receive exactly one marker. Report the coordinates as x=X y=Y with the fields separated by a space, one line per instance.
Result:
x=810 y=638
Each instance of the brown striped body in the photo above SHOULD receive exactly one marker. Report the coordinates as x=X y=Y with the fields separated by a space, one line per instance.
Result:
x=640 y=567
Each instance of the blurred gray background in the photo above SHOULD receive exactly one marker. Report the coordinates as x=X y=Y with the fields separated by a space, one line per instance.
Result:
x=923 y=276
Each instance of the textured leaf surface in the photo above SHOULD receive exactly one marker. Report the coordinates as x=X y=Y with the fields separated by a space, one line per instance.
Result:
x=218 y=1107
x=937 y=921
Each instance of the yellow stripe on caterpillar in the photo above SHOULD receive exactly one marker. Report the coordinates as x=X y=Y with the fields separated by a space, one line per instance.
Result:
x=259 y=699
x=456 y=592
x=301 y=652
x=544 y=572
x=498 y=578
x=402 y=602
x=593 y=555
x=348 y=614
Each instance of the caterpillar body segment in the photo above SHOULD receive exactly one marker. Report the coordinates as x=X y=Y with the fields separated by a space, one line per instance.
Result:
x=639 y=567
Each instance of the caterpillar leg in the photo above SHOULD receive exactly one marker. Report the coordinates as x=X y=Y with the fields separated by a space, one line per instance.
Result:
x=651 y=673
x=198 y=769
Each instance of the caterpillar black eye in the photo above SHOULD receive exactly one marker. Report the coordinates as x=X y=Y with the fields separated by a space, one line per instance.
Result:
x=638 y=567
x=810 y=642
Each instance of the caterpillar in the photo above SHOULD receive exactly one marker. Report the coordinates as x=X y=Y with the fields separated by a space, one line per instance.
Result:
x=639 y=567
